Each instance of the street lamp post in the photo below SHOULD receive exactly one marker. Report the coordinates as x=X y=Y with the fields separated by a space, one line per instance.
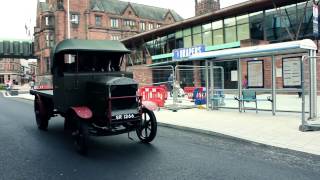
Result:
x=68 y=19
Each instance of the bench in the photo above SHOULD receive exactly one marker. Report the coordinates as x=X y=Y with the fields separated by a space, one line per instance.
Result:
x=250 y=96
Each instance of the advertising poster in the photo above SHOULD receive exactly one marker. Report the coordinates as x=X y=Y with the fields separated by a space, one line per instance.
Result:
x=291 y=72
x=255 y=74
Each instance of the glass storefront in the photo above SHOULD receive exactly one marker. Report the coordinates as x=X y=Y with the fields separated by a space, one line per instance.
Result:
x=271 y=25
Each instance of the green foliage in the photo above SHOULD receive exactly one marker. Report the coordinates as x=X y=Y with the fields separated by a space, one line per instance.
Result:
x=2 y=87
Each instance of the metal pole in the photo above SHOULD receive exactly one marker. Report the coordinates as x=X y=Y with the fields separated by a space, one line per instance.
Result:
x=207 y=84
x=222 y=78
x=174 y=90
x=211 y=82
x=274 y=101
x=314 y=85
x=303 y=109
x=68 y=26
x=239 y=82
x=311 y=82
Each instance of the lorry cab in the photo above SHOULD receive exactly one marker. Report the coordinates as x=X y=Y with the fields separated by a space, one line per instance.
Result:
x=79 y=66
x=92 y=93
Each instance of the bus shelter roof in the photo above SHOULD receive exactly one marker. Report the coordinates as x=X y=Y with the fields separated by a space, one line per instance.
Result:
x=292 y=47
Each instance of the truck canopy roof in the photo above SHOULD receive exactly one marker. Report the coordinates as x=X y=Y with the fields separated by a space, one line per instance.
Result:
x=78 y=45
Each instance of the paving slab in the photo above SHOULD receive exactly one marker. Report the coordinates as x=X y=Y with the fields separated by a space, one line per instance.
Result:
x=281 y=130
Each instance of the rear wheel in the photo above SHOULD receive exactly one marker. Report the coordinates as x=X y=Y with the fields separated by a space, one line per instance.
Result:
x=41 y=113
x=148 y=129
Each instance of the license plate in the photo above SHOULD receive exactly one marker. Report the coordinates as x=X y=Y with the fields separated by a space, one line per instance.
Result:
x=124 y=116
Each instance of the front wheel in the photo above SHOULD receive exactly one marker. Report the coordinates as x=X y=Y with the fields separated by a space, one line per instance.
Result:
x=81 y=137
x=148 y=129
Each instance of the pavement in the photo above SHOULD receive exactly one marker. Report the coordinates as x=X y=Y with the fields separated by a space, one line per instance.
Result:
x=281 y=130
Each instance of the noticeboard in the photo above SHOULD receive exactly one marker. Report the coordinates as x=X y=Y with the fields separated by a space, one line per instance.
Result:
x=255 y=74
x=291 y=69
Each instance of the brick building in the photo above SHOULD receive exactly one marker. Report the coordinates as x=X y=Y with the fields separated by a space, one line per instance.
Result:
x=206 y=6
x=10 y=70
x=92 y=19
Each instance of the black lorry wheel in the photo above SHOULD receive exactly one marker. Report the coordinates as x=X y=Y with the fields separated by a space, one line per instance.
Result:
x=41 y=113
x=81 y=137
x=148 y=129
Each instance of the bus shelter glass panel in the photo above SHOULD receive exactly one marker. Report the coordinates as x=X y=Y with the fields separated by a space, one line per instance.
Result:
x=224 y=83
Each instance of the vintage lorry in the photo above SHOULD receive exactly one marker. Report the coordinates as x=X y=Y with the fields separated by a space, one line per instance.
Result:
x=92 y=94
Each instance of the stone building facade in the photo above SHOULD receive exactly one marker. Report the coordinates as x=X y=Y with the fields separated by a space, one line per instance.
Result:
x=92 y=19
x=10 y=70
x=206 y=6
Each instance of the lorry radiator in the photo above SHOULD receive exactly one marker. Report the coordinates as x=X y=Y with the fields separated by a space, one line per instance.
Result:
x=124 y=91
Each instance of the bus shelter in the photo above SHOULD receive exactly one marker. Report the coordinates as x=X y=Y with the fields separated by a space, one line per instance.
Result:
x=306 y=49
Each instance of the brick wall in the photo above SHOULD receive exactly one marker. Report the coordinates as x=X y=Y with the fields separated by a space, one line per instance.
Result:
x=86 y=29
x=206 y=6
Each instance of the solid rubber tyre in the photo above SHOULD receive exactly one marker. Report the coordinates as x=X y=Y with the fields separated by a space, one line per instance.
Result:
x=41 y=113
x=148 y=129
x=81 y=137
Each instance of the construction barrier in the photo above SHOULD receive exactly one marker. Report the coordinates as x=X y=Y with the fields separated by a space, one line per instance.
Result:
x=165 y=88
x=189 y=91
x=154 y=94
x=199 y=95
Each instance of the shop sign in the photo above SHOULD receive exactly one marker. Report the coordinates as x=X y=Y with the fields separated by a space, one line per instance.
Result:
x=187 y=52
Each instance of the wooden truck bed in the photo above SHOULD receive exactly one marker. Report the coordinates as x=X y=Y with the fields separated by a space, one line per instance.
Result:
x=45 y=93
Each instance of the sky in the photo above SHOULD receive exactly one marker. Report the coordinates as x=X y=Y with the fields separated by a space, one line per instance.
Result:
x=15 y=14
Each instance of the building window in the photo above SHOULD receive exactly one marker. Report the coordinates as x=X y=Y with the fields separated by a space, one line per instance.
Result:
x=230 y=30
x=48 y=20
x=256 y=25
x=158 y=25
x=60 y=5
x=243 y=30
x=115 y=37
x=207 y=34
x=129 y=23
x=197 y=38
x=74 y=18
x=230 y=34
x=1 y=67
x=187 y=40
x=98 y=20
x=49 y=40
x=48 y=64
x=142 y=26
x=150 y=26
x=114 y=23
x=207 y=38
x=218 y=36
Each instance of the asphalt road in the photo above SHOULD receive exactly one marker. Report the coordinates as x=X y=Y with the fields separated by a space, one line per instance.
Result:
x=27 y=153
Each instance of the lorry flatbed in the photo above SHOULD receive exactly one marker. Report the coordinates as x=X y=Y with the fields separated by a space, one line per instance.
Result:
x=45 y=93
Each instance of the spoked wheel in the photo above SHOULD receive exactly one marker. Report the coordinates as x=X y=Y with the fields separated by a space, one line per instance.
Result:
x=81 y=137
x=41 y=113
x=148 y=129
